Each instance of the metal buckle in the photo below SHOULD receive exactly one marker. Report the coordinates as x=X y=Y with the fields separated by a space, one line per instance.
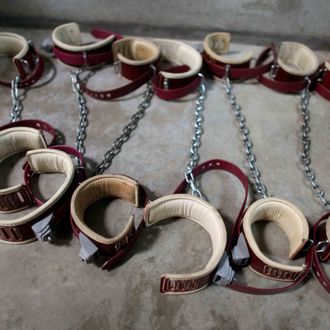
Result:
x=240 y=253
x=273 y=70
x=117 y=67
x=88 y=249
x=166 y=83
x=321 y=246
x=43 y=229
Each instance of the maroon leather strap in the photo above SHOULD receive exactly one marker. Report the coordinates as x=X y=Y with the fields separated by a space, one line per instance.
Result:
x=59 y=211
x=320 y=257
x=89 y=58
x=110 y=255
x=241 y=71
x=167 y=285
x=19 y=199
x=30 y=68
x=139 y=74
x=323 y=83
x=175 y=88
x=33 y=123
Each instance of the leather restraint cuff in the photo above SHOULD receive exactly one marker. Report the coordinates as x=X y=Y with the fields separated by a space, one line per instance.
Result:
x=135 y=60
x=71 y=50
x=323 y=81
x=109 y=251
x=200 y=211
x=223 y=63
x=28 y=63
x=183 y=78
x=293 y=64
x=40 y=223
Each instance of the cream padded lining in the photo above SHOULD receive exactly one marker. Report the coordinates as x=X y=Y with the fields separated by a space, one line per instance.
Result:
x=13 y=45
x=46 y=161
x=196 y=209
x=297 y=59
x=18 y=139
x=327 y=228
x=96 y=188
x=135 y=51
x=68 y=37
x=179 y=53
x=287 y=216
x=216 y=45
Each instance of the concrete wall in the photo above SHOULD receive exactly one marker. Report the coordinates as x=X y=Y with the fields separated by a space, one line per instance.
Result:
x=303 y=20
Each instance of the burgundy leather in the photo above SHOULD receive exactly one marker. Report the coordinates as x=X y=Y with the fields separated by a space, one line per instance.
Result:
x=110 y=255
x=60 y=210
x=213 y=164
x=241 y=71
x=36 y=66
x=90 y=58
x=176 y=88
x=283 y=81
x=33 y=123
x=321 y=257
x=323 y=83
x=139 y=74
x=16 y=200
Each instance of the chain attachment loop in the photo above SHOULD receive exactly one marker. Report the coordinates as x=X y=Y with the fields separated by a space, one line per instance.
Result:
x=306 y=147
x=16 y=113
x=196 y=140
x=255 y=174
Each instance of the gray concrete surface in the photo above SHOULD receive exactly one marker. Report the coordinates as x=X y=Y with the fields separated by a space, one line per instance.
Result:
x=47 y=286
x=251 y=20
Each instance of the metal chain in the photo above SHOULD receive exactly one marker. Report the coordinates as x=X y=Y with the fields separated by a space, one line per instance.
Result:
x=16 y=112
x=196 y=141
x=248 y=145
x=306 y=147
x=83 y=112
x=126 y=132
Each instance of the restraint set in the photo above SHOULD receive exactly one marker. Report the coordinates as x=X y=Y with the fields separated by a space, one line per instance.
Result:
x=170 y=70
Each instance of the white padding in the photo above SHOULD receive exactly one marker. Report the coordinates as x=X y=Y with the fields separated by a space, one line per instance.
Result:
x=68 y=37
x=284 y=214
x=13 y=45
x=297 y=59
x=217 y=45
x=198 y=210
x=179 y=53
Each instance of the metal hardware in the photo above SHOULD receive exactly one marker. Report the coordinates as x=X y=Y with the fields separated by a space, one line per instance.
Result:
x=248 y=145
x=273 y=70
x=43 y=229
x=166 y=83
x=88 y=249
x=321 y=246
x=117 y=67
x=224 y=274
x=306 y=147
x=196 y=141
x=16 y=113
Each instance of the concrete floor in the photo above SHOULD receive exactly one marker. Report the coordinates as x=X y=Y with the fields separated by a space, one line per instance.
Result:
x=46 y=285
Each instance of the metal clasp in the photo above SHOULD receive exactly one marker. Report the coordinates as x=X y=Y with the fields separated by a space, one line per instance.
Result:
x=88 y=249
x=273 y=70
x=43 y=229
x=321 y=246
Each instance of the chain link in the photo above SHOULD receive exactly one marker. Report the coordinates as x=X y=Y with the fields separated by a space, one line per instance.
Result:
x=17 y=98
x=126 y=132
x=306 y=147
x=83 y=112
x=196 y=141
x=250 y=157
